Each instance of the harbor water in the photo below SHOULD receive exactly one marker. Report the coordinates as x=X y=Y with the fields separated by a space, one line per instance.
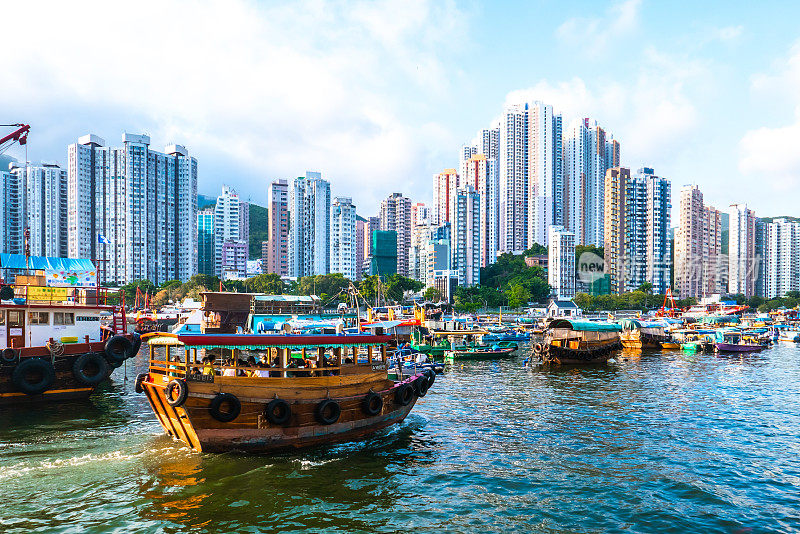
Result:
x=661 y=441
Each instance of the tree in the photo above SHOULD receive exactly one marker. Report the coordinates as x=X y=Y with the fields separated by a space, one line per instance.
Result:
x=397 y=285
x=270 y=283
x=517 y=295
x=535 y=250
x=432 y=294
x=646 y=287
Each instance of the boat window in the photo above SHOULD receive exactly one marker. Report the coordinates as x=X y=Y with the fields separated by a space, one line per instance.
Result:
x=67 y=318
x=2 y=317
x=15 y=318
x=38 y=318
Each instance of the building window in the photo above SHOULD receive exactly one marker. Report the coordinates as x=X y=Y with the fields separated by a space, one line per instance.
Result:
x=38 y=318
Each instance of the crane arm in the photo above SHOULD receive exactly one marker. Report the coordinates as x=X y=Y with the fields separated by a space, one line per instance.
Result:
x=19 y=135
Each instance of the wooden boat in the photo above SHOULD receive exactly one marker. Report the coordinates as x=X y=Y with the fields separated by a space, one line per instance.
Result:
x=197 y=386
x=670 y=345
x=789 y=336
x=733 y=341
x=574 y=341
x=52 y=345
x=638 y=334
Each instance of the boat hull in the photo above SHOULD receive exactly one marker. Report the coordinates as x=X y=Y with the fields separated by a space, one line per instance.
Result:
x=731 y=347
x=568 y=356
x=481 y=355
x=251 y=432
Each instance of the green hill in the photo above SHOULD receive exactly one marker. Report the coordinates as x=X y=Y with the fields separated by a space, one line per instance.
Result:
x=258 y=229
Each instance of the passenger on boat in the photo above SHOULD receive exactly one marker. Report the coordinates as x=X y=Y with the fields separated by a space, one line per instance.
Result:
x=229 y=371
x=208 y=367
x=251 y=367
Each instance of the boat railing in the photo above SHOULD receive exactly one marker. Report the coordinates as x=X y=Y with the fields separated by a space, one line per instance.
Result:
x=178 y=361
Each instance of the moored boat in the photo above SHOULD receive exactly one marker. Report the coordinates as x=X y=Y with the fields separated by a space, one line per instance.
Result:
x=480 y=353
x=260 y=393
x=574 y=341
x=733 y=341
x=53 y=345
x=637 y=334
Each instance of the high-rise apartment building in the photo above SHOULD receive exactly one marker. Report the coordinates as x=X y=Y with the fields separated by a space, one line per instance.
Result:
x=466 y=232
x=41 y=201
x=276 y=259
x=489 y=142
x=12 y=202
x=480 y=173
x=782 y=265
x=143 y=202
x=588 y=153
x=228 y=235
x=396 y=216
x=699 y=266
x=561 y=262
x=466 y=152
x=742 y=261
x=370 y=224
x=360 y=243
x=444 y=189
x=636 y=229
x=530 y=174
x=343 y=238
x=244 y=221
x=658 y=208
x=309 y=225
x=616 y=182
x=206 y=252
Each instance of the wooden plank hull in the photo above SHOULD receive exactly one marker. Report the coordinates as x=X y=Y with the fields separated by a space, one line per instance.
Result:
x=564 y=355
x=252 y=432
x=65 y=386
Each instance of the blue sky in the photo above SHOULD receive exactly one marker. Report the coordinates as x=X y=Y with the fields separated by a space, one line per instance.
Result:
x=380 y=95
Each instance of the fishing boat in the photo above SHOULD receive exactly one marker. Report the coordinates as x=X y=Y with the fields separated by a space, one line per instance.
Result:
x=790 y=336
x=54 y=346
x=637 y=334
x=733 y=341
x=574 y=341
x=262 y=393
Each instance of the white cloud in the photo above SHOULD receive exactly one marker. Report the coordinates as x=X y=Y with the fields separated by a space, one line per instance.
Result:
x=263 y=90
x=594 y=35
x=651 y=113
x=770 y=154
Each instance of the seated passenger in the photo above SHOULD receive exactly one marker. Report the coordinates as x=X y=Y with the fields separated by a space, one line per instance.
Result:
x=229 y=371
x=208 y=367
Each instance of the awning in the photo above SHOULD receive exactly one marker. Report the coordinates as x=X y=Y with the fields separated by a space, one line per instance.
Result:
x=45 y=263
x=585 y=326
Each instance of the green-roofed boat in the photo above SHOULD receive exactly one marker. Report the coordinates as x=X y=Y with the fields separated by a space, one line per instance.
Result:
x=575 y=341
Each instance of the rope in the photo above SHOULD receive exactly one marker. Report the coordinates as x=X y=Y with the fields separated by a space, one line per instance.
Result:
x=56 y=348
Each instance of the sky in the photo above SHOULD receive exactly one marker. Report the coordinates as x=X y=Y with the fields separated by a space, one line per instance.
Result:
x=380 y=95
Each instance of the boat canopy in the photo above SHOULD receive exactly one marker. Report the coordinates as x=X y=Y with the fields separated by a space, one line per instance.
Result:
x=279 y=341
x=45 y=263
x=634 y=324
x=718 y=319
x=585 y=326
x=286 y=298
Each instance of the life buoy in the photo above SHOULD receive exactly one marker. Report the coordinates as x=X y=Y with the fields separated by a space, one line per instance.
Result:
x=372 y=403
x=328 y=411
x=229 y=415
x=141 y=377
x=90 y=368
x=421 y=385
x=176 y=392
x=6 y=293
x=9 y=355
x=537 y=348
x=278 y=412
x=117 y=349
x=33 y=376
x=404 y=394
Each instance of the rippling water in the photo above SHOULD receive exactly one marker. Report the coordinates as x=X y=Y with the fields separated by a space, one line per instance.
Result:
x=657 y=442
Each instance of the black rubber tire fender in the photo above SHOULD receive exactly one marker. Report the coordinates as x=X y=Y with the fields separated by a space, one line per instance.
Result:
x=421 y=385
x=225 y=398
x=278 y=412
x=141 y=377
x=84 y=361
x=136 y=341
x=176 y=392
x=117 y=349
x=404 y=394
x=9 y=355
x=431 y=376
x=328 y=411
x=36 y=365
x=372 y=404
